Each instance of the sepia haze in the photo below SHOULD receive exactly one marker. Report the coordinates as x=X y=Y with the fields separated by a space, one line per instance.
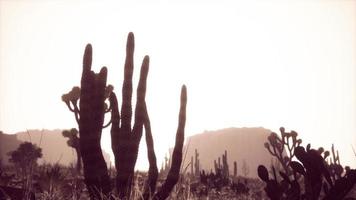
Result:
x=246 y=64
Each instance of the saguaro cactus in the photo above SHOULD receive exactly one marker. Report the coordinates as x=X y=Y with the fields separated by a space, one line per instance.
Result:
x=225 y=165
x=216 y=166
x=125 y=139
x=197 y=163
x=173 y=174
x=91 y=112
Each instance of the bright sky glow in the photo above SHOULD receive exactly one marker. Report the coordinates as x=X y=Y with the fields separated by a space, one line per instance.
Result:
x=245 y=63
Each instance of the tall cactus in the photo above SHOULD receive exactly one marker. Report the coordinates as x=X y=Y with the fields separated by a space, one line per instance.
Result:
x=124 y=138
x=197 y=163
x=92 y=110
x=225 y=165
x=173 y=174
x=219 y=163
x=216 y=166
x=150 y=184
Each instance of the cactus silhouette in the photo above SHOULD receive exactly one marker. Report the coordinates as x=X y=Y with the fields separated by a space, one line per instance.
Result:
x=125 y=138
x=197 y=163
x=312 y=167
x=173 y=174
x=91 y=112
x=73 y=141
x=225 y=167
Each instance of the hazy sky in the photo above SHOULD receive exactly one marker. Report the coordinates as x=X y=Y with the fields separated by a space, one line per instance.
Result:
x=245 y=63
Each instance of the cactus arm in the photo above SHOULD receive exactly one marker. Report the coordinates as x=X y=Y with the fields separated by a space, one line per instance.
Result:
x=140 y=110
x=126 y=108
x=173 y=174
x=115 y=128
x=150 y=184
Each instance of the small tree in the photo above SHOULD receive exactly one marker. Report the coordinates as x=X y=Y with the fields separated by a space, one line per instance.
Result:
x=73 y=141
x=25 y=158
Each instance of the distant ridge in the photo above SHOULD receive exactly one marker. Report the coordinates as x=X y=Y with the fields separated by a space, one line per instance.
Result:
x=7 y=143
x=241 y=144
x=54 y=145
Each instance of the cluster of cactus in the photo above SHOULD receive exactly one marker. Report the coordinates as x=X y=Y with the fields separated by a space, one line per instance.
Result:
x=334 y=166
x=224 y=167
x=218 y=181
x=312 y=169
x=195 y=164
x=214 y=180
x=125 y=139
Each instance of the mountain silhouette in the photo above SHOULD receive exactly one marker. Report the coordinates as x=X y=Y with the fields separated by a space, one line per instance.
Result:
x=241 y=144
x=53 y=144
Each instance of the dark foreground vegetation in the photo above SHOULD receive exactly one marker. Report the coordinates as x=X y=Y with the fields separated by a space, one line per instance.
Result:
x=298 y=173
x=304 y=172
